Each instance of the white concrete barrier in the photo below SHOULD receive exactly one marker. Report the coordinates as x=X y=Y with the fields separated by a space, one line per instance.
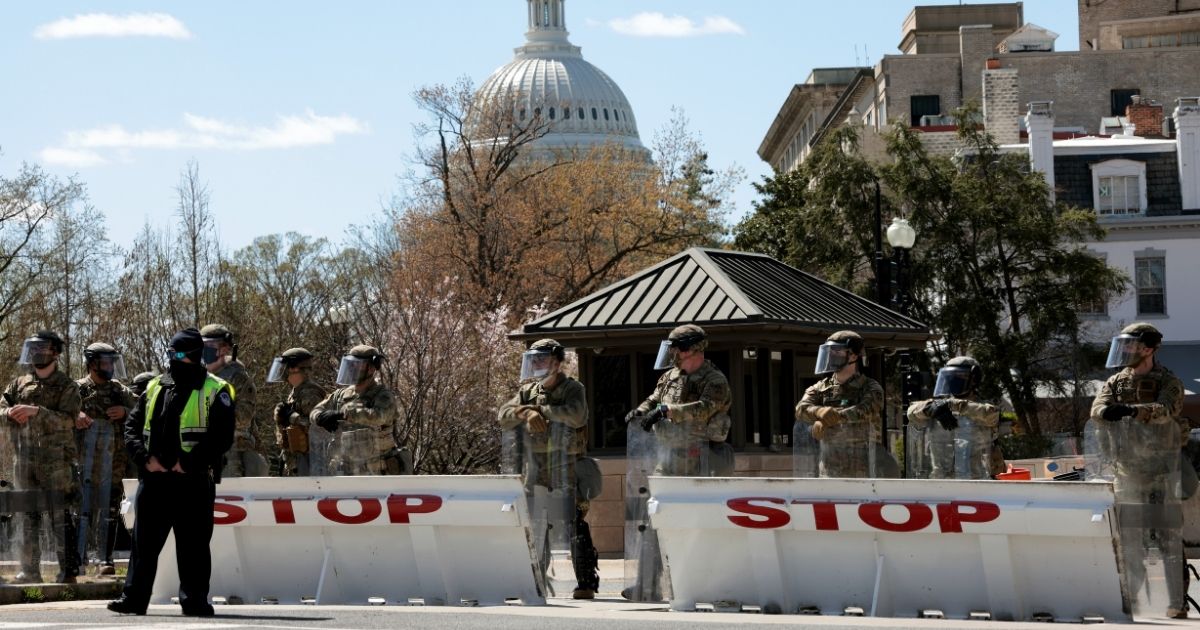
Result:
x=354 y=540
x=892 y=548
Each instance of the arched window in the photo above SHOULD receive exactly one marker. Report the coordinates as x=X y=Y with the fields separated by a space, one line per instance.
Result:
x=605 y=113
x=537 y=112
x=521 y=115
x=551 y=113
x=581 y=116
x=566 y=113
x=594 y=116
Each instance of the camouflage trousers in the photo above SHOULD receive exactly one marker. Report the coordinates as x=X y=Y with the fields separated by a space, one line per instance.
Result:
x=51 y=470
x=1150 y=520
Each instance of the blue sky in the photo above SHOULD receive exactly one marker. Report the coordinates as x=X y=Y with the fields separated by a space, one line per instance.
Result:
x=300 y=113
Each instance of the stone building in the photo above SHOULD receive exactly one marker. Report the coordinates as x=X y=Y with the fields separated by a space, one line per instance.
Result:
x=1149 y=49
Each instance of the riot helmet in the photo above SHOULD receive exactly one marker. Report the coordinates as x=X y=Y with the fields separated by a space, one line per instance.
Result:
x=40 y=350
x=140 y=382
x=354 y=368
x=291 y=358
x=108 y=363
x=834 y=354
x=688 y=337
x=1125 y=349
x=536 y=362
x=959 y=377
x=216 y=335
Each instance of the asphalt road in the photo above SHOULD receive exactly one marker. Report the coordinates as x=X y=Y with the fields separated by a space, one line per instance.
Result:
x=560 y=614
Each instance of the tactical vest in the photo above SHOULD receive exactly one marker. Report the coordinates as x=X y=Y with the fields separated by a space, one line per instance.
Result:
x=193 y=422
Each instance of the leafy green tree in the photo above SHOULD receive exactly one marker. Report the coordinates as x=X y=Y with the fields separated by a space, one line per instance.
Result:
x=998 y=268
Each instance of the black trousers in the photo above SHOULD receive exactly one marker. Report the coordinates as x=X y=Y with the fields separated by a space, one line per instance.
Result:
x=165 y=502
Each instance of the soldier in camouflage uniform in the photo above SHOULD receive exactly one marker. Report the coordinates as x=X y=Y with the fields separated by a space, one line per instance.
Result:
x=254 y=439
x=41 y=409
x=549 y=398
x=843 y=408
x=689 y=408
x=104 y=404
x=959 y=440
x=1138 y=410
x=291 y=416
x=360 y=416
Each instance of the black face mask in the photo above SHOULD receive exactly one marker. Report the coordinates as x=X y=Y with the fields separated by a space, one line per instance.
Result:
x=187 y=375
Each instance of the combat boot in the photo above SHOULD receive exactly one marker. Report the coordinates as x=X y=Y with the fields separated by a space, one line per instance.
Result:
x=583 y=593
x=125 y=606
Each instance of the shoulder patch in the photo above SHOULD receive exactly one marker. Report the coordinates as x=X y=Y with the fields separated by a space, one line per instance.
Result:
x=224 y=398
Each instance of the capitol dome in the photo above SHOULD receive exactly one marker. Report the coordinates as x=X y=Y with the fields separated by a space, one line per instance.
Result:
x=550 y=78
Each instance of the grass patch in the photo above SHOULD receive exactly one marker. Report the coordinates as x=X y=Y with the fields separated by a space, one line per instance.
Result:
x=68 y=594
x=32 y=595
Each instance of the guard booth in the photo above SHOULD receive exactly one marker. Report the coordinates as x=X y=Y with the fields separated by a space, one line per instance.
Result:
x=764 y=320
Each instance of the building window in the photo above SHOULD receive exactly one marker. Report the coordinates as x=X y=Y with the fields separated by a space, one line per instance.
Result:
x=1150 y=276
x=1119 y=187
x=522 y=115
x=551 y=113
x=605 y=113
x=1120 y=99
x=581 y=116
x=923 y=105
x=594 y=116
x=566 y=113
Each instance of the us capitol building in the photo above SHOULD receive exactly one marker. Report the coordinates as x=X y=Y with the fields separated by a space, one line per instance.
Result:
x=549 y=76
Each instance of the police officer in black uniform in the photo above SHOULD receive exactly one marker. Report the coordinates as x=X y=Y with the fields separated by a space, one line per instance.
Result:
x=176 y=436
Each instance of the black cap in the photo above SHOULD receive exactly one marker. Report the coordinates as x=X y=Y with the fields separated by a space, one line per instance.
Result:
x=188 y=341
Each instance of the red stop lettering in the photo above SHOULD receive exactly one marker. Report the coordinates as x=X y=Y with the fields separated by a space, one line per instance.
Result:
x=226 y=513
x=400 y=507
x=919 y=517
x=369 y=512
x=284 y=514
x=761 y=516
x=825 y=513
x=951 y=517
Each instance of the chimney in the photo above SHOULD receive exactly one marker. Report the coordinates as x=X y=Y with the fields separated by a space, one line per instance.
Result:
x=976 y=43
x=1187 y=134
x=1040 y=124
x=1146 y=117
x=1001 y=112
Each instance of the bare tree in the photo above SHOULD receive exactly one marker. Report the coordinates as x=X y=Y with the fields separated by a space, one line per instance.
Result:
x=197 y=238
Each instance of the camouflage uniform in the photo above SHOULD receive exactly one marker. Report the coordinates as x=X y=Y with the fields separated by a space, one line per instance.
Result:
x=565 y=404
x=374 y=413
x=46 y=461
x=1146 y=474
x=983 y=417
x=102 y=460
x=250 y=434
x=697 y=413
x=302 y=400
x=845 y=446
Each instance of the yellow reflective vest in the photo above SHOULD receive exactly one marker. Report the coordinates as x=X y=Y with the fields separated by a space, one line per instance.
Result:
x=193 y=422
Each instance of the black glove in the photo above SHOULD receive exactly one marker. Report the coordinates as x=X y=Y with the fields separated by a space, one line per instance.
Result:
x=636 y=414
x=652 y=418
x=940 y=411
x=283 y=414
x=1112 y=413
x=329 y=420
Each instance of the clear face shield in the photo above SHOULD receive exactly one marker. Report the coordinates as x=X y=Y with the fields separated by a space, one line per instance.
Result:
x=212 y=351
x=109 y=366
x=536 y=364
x=952 y=381
x=352 y=370
x=278 y=372
x=37 y=353
x=1125 y=351
x=666 y=356
x=831 y=357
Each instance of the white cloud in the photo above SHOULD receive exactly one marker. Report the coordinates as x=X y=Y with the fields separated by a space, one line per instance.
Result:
x=71 y=157
x=108 y=25
x=654 y=24
x=83 y=148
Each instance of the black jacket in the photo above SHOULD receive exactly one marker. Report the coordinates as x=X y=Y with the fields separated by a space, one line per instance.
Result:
x=164 y=427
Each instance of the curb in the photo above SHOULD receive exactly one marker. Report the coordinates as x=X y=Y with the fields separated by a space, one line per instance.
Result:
x=15 y=593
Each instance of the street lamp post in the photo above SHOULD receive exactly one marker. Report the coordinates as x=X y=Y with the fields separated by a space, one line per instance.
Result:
x=901 y=236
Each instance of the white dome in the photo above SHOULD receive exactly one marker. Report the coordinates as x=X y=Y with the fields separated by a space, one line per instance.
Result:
x=549 y=77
